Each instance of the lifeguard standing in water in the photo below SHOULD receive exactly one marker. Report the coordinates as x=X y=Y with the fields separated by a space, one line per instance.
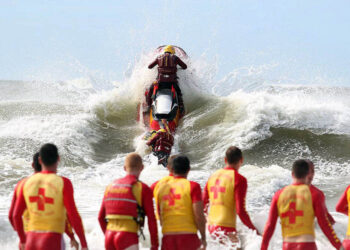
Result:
x=224 y=195
x=297 y=205
x=37 y=168
x=122 y=204
x=49 y=200
x=180 y=208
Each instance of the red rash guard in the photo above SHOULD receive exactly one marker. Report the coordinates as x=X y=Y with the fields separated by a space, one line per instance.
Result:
x=13 y=203
x=147 y=204
x=69 y=204
x=342 y=205
x=319 y=205
x=241 y=187
x=177 y=61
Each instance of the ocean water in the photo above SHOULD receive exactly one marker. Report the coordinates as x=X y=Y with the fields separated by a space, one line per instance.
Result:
x=96 y=127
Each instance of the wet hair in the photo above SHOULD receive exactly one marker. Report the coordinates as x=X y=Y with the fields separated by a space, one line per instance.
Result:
x=36 y=164
x=133 y=161
x=48 y=154
x=181 y=165
x=233 y=155
x=300 y=168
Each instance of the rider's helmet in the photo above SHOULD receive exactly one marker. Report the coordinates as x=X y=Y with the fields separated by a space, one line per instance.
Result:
x=170 y=49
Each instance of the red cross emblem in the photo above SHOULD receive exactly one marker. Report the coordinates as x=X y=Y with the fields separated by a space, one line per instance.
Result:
x=41 y=199
x=292 y=213
x=171 y=197
x=216 y=189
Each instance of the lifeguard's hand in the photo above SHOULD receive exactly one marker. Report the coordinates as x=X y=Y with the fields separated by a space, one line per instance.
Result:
x=203 y=245
x=84 y=248
x=74 y=244
x=22 y=246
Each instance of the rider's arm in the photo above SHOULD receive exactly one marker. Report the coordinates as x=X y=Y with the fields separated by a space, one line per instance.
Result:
x=342 y=205
x=154 y=63
x=147 y=204
x=271 y=222
x=240 y=195
x=318 y=202
x=181 y=63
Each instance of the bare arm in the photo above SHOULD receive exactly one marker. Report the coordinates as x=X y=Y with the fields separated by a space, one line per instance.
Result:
x=200 y=221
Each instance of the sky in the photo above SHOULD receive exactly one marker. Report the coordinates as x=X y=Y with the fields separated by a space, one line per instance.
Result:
x=60 y=40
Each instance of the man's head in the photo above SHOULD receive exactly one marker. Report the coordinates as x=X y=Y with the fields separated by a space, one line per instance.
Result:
x=48 y=156
x=181 y=165
x=133 y=164
x=35 y=164
x=300 y=171
x=234 y=157
x=311 y=174
x=170 y=163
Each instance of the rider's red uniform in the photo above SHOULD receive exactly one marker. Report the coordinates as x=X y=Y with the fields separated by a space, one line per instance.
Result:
x=119 y=209
x=49 y=200
x=174 y=198
x=162 y=142
x=343 y=207
x=167 y=77
x=225 y=194
x=297 y=205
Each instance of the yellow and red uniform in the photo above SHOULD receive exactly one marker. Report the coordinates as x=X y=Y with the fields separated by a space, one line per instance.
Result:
x=155 y=187
x=119 y=209
x=225 y=194
x=174 y=198
x=68 y=228
x=297 y=206
x=48 y=199
x=343 y=207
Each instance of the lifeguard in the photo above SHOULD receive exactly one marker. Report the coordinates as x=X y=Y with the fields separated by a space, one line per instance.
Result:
x=122 y=207
x=297 y=205
x=224 y=196
x=180 y=209
x=49 y=200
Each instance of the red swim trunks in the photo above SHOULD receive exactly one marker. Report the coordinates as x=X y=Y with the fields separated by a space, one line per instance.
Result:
x=42 y=241
x=180 y=242
x=299 y=246
x=346 y=244
x=226 y=235
x=120 y=240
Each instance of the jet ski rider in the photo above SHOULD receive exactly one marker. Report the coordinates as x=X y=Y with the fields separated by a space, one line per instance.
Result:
x=167 y=68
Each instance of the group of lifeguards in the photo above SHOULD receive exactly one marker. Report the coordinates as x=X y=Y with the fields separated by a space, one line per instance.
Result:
x=43 y=207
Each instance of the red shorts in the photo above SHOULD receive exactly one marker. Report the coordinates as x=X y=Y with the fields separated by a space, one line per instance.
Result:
x=346 y=244
x=180 y=242
x=299 y=246
x=225 y=235
x=115 y=240
x=42 y=241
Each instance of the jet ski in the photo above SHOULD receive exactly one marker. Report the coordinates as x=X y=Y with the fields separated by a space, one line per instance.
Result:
x=164 y=112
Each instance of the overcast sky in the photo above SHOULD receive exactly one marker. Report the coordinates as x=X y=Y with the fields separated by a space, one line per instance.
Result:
x=68 y=39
